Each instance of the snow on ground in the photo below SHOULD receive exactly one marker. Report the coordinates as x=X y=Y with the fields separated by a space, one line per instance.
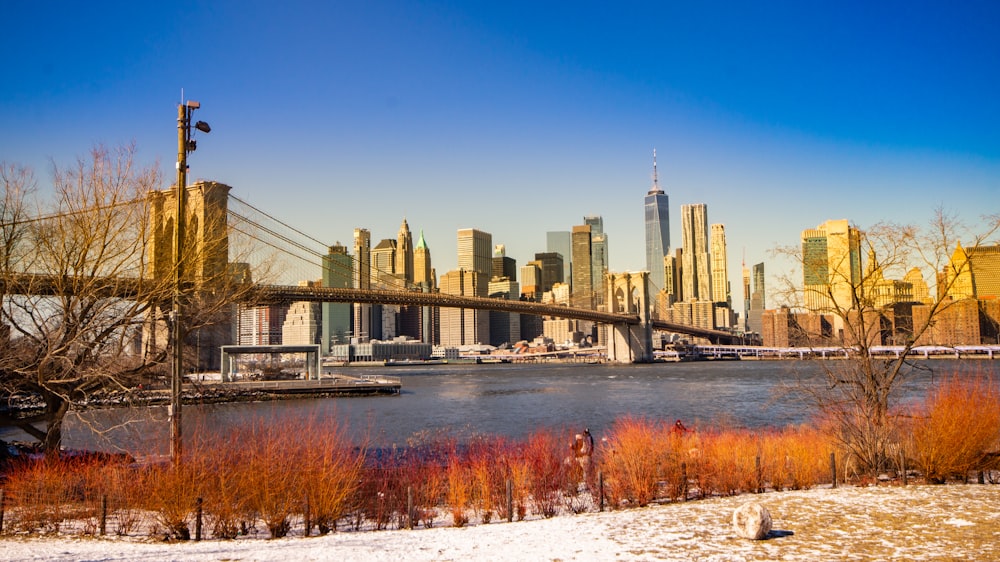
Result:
x=956 y=522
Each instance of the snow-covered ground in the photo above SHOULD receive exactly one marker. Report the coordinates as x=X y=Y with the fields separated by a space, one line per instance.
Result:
x=956 y=522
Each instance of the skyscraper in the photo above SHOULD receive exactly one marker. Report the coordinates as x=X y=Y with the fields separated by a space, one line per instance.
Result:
x=758 y=301
x=423 y=277
x=362 y=280
x=383 y=257
x=551 y=264
x=337 y=272
x=404 y=253
x=657 y=230
x=598 y=254
x=831 y=266
x=464 y=326
x=583 y=286
x=475 y=253
x=746 y=295
x=503 y=266
x=561 y=243
x=696 y=269
x=468 y=326
x=720 y=269
x=423 y=273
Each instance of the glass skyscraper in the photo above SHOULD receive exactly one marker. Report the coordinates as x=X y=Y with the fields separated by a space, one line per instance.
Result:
x=657 y=231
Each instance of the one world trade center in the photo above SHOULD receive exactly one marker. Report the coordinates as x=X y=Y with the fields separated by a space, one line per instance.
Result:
x=657 y=232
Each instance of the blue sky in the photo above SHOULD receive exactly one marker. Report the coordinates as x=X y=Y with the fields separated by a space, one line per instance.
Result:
x=519 y=118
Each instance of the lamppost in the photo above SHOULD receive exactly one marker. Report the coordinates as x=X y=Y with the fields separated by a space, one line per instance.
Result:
x=184 y=145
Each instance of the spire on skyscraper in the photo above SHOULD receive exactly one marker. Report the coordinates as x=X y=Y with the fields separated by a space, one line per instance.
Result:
x=656 y=178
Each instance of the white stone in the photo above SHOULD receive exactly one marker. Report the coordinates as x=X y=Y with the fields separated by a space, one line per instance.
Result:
x=752 y=521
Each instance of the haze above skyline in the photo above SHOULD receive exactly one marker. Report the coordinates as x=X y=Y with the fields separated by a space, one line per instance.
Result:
x=522 y=118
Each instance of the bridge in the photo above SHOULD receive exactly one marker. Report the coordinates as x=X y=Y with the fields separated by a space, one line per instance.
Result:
x=220 y=221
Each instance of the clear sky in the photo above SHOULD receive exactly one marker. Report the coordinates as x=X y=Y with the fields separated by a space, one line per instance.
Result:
x=518 y=118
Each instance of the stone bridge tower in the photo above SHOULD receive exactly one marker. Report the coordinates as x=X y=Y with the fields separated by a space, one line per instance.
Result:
x=627 y=294
x=205 y=268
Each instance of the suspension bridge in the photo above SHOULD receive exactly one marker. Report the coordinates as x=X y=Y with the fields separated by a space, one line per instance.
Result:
x=229 y=235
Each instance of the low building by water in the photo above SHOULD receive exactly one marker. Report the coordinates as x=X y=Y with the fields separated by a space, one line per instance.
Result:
x=399 y=349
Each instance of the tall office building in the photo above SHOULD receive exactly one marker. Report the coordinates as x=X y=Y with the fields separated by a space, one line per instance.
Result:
x=467 y=326
x=921 y=291
x=464 y=326
x=475 y=253
x=720 y=268
x=505 y=327
x=599 y=255
x=302 y=324
x=531 y=279
x=404 y=253
x=551 y=264
x=831 y=267
x=362 y=280
x=261 y=325
x=384 y=263
x=503 y=266
x=671 y=278
x=746 y=295
x=561 y=243
x=972 y=272
x=424 y=277
x=657 y=230
x=423 y=272
x=337 y=272
x=696 y=268
x=582 y=290
x=758 y=301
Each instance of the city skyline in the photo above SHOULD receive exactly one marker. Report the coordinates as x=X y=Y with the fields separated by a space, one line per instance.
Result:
x=342 y=117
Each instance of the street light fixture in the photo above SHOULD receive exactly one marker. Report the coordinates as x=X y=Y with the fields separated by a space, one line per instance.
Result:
x=184 y=145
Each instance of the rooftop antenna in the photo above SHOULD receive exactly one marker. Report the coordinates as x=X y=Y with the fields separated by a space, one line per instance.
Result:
x=656 y=178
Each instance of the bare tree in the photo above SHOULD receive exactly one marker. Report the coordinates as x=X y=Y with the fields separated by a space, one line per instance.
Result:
x=80 y=290
x=848 y=295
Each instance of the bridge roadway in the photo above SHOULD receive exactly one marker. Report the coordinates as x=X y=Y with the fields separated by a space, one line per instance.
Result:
x=281 y=294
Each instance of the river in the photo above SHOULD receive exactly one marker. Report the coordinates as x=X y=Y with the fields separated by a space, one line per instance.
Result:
x=512 y=400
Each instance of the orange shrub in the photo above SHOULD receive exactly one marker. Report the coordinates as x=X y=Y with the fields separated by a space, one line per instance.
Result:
x=795 y=457
x=42 y=495
x=726 y=463
x=459 y=495
x=172 y=493
x=957 y=424
x=633 y=459
x=489 y=462
x=549 y=469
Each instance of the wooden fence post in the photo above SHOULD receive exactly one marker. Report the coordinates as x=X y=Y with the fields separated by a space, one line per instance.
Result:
x=600 y=490
x=684 y=481
x=104 y=514
x=902 y=465
x=307 y=518
x=833 y=467
x=409 y=507
x=2 y=498
x=510 y=500
x=197 y=519
x=760 y=477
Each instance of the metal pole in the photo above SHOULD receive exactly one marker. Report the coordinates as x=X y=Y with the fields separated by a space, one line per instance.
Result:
x=177 y=375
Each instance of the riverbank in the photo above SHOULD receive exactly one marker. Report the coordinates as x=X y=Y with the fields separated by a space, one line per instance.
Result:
x=215 y=392
x=954 y=522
